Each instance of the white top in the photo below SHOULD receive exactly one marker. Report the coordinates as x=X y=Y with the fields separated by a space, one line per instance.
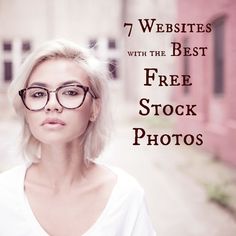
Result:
x=125 y=213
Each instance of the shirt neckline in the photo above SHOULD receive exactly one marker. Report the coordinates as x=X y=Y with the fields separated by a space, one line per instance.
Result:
x=35 y=223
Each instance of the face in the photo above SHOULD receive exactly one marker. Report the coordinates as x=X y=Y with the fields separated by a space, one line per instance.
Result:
x=55 y=124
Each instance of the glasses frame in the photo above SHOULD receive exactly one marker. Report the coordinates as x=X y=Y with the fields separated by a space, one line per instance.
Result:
x=85 y=89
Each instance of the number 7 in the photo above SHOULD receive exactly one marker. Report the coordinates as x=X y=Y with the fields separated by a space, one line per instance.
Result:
x=131 y=25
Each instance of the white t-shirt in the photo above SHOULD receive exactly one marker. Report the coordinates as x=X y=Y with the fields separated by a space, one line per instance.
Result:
x=125 y=213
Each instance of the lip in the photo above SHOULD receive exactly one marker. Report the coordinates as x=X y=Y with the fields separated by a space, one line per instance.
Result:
x=53 y=122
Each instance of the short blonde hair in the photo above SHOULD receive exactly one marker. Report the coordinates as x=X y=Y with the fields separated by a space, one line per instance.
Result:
x=98 y=131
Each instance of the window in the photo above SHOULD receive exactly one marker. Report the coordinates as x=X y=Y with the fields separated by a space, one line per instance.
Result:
x=113 y=68
x=107 y=50
x=112 y=44
x=93 y=43
x=7 y=46
x=26 y=46
x=7 y=71
x=186 y=65
x=218 y=37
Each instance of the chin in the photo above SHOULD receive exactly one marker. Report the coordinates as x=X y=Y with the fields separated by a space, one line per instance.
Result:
x=59 y=140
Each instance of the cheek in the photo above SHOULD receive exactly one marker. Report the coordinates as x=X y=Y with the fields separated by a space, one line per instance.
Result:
x=78 y=120
x=33 y=122
x=82 y=117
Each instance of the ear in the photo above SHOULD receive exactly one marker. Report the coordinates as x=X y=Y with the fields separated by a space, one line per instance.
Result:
x=96 y=106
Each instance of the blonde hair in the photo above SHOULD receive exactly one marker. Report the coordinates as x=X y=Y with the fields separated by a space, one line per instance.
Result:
x=97 y=132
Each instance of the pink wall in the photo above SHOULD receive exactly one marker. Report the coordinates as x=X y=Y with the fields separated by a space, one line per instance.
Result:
x=216 y=114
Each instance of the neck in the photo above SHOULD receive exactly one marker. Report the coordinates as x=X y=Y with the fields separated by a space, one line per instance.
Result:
x=62 y=165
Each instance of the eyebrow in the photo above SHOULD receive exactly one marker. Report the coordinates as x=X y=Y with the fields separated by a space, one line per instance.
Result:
x=46 y=85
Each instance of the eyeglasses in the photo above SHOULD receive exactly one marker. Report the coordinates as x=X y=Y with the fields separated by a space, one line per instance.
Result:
x=69 y=96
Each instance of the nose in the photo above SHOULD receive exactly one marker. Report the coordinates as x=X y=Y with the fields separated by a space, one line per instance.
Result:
x=53 y=104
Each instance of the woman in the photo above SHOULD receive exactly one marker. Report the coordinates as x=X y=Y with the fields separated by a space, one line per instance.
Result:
x=60 y=95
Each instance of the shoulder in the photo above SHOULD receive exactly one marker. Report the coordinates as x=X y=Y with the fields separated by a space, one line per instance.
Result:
x=10 y=173
x=11 y=185
x=127 y=186
x=12 y=201
x=127 y=180
x=9 y=179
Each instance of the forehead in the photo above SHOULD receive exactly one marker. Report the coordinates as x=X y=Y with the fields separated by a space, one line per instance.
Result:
x=54 y=72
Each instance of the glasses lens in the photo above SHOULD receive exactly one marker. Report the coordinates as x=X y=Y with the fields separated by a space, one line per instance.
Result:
x=36 y=98
x=71 y=96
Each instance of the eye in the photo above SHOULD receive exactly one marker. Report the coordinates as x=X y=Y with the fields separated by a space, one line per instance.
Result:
x=37 y=93
x=72 y=92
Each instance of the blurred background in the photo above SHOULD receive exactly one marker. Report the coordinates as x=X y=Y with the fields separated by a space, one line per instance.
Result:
x=191 y=190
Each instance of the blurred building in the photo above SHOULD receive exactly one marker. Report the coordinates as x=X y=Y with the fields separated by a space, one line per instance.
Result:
x=214 y=85
x=24 y=24
x=162 y=12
